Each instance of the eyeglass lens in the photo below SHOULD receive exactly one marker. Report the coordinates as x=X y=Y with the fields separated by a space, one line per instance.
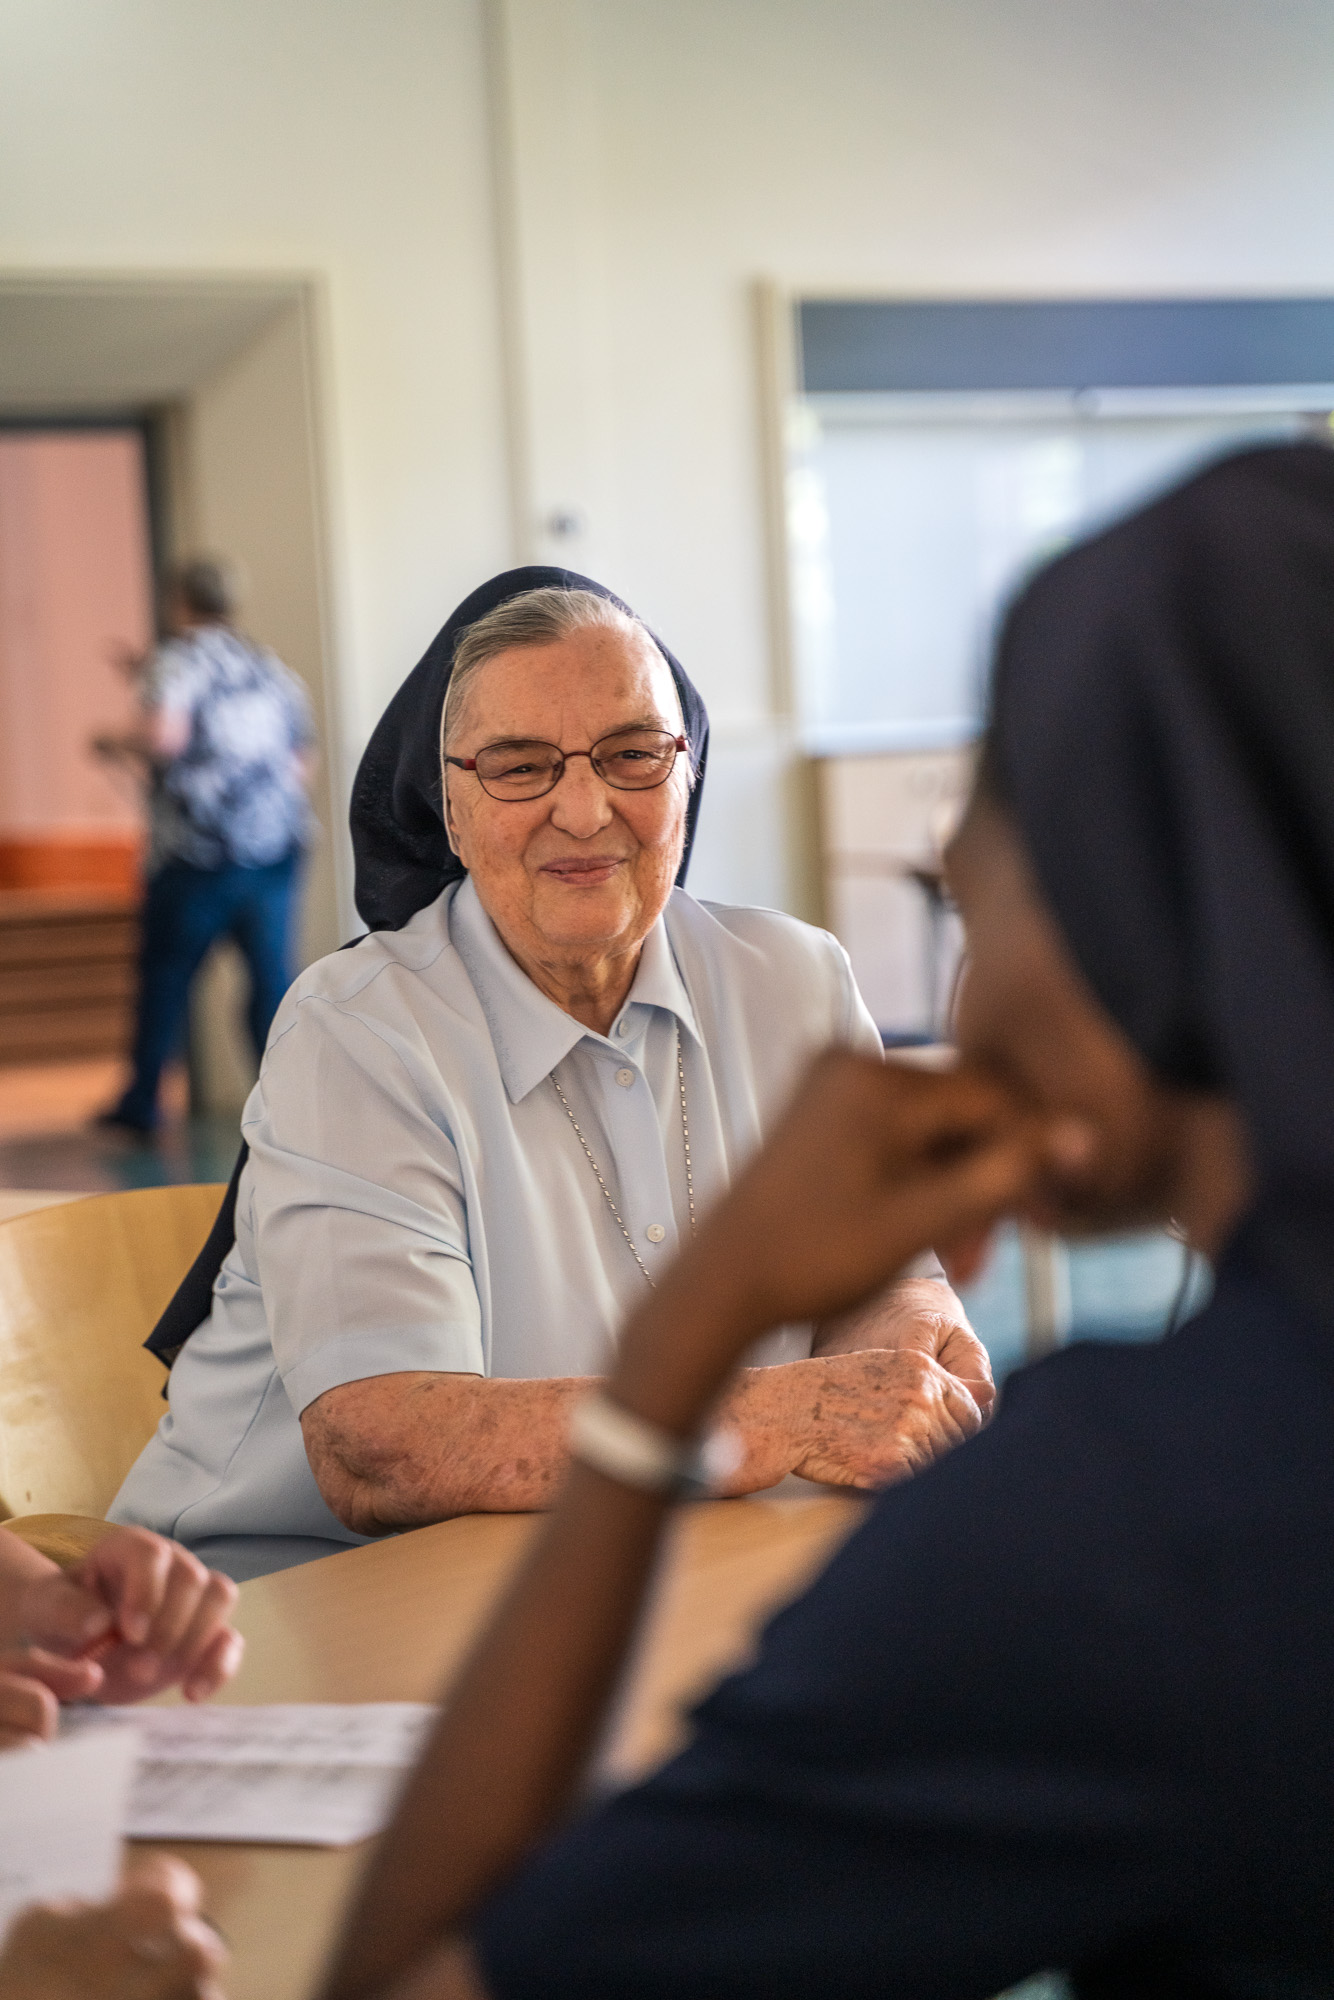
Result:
x=633 y=760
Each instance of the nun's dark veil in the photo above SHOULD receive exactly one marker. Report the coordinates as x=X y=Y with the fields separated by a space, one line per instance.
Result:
x=403 y=859
x=397 y=816
x=1163 y=733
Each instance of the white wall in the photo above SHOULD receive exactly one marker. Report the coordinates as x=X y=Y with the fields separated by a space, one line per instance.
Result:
x=937 y=147
x=661 y=156
x=248 y=478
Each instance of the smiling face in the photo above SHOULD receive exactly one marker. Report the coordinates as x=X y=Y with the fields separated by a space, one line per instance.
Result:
x=577 y=879
x=1026 y=1013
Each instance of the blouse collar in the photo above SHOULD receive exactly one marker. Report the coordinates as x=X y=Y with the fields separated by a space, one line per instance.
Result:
x=529 y=1032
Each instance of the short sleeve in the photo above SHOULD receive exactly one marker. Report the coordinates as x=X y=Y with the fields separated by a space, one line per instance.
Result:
x=357 y=1216
x=170 y=680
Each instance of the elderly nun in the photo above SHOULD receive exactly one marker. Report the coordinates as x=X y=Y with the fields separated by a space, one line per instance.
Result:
x=481 y=1133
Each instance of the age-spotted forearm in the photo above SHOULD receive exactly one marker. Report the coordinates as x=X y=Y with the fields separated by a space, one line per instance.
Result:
x=397 y=1451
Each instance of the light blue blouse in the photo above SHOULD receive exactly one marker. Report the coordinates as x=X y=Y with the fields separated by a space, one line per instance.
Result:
x=416 y=1197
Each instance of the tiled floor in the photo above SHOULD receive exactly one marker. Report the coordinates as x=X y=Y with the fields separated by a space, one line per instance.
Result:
x=48 y=1140
x=56 y=1097
x=95 y=1162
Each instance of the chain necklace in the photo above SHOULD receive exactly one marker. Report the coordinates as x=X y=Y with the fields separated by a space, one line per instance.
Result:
x=597 y=1171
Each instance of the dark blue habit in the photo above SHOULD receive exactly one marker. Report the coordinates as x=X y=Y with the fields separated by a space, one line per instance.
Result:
x=1067 y=1700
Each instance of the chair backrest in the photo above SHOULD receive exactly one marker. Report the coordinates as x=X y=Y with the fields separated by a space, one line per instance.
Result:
x=81 y=1286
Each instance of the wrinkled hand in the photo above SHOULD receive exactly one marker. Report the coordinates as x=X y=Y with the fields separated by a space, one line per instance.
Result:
x=859 y=1420
x=925 y=1315
x=139 y=1614
x=883 y=1415
x=148 y=1943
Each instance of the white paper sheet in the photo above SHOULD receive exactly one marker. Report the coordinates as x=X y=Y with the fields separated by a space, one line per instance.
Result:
x=62 y=1808
x=314 y=1773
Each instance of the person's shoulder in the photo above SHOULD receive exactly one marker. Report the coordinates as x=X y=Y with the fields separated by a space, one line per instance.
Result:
x=750 y=935
x=175 y=650
x=789 y=982
x=383 y=974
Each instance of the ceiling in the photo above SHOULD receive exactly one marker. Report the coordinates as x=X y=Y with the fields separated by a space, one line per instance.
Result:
x=83 y=346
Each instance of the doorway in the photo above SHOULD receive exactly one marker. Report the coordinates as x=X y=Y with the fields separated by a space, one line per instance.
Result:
x=76 y=618
x=192 y=407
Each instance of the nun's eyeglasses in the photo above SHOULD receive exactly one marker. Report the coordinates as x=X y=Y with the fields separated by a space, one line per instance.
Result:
x=629 y=760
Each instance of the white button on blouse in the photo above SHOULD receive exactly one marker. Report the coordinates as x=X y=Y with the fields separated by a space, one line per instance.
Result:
x=416 y=1199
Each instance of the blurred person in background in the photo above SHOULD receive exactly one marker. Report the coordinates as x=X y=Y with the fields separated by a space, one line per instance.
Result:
x=226 y=738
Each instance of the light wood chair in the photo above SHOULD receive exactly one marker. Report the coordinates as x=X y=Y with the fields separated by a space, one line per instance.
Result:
x=81 y=1288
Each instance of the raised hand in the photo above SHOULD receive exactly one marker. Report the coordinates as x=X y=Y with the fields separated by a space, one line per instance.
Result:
x=871 y=1163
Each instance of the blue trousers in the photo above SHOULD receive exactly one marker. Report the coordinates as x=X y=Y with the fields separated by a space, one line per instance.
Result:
x=186 y=910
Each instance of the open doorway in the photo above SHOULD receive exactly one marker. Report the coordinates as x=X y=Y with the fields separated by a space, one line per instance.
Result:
x=76 y=616
x=140 y=420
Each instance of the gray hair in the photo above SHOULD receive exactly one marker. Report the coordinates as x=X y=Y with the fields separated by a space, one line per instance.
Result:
x=537 y=618
x=207 y=586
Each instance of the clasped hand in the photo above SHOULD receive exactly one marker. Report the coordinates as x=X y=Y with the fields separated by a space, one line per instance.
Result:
x=137 y=1615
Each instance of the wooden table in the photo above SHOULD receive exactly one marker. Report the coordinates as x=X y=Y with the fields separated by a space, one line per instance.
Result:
x=390 y=1622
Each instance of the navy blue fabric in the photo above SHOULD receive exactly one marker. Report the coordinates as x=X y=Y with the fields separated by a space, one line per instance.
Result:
x=1064 y=1701
x=186 y=910
x=398 y=831
x=1181 y=666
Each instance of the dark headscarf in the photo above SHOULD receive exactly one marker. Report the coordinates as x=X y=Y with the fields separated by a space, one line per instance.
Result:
x=398 y=829
x=1163 y=732
x=403 y=858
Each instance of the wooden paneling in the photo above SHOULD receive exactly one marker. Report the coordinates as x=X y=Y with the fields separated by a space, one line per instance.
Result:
x=74 y=932
x=67 y=974
x=71 y=982
x=57 y=861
